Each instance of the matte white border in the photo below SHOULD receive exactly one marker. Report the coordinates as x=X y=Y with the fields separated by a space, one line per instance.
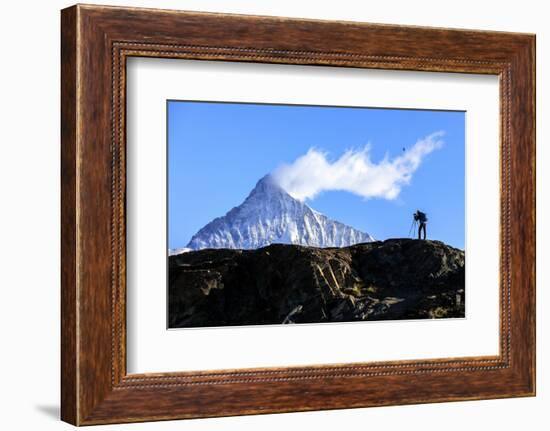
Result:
x=152 y=348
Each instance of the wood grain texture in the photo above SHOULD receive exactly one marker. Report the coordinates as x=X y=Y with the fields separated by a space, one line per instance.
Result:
x=69 y=397
x=96 y=41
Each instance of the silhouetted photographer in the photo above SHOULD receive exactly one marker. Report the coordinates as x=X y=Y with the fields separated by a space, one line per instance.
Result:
x=422 y=219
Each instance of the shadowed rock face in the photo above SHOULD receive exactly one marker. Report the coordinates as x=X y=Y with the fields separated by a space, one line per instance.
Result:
x=389 y=280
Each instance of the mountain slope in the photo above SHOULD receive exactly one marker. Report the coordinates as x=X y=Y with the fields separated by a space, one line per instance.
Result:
x=390 y=280
x=270 y=215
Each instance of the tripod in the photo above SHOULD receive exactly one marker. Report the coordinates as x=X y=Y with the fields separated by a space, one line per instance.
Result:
x=411 y=231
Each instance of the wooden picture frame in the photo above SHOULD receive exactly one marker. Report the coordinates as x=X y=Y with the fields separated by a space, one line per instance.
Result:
x=95 y=43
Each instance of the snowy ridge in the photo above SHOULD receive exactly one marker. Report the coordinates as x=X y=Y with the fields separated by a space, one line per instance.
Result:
x=270 y=215
x=174 y=251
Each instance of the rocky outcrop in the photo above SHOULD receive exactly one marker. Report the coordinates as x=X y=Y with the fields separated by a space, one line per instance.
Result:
x=382 y=280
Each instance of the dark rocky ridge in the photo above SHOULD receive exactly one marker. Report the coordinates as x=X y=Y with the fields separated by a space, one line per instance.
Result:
x=382 y=280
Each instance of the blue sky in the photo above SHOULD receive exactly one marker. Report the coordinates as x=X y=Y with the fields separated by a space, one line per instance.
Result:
x=218 y=151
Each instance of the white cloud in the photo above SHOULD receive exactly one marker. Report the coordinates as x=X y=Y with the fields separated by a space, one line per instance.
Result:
x=354 y=171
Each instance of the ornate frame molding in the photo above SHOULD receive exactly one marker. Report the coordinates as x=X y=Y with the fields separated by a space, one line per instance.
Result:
x=96 y=41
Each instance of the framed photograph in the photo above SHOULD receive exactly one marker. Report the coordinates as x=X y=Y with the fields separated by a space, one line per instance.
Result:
x=273 y=259
x=264 y=214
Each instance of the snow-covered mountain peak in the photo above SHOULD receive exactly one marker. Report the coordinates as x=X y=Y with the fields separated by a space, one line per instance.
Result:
x=267 y=185
x=267 y=192
x=270 y=215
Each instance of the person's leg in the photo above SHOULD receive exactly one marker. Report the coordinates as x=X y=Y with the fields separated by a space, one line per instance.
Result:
x=419 y=229
x=424 y=229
